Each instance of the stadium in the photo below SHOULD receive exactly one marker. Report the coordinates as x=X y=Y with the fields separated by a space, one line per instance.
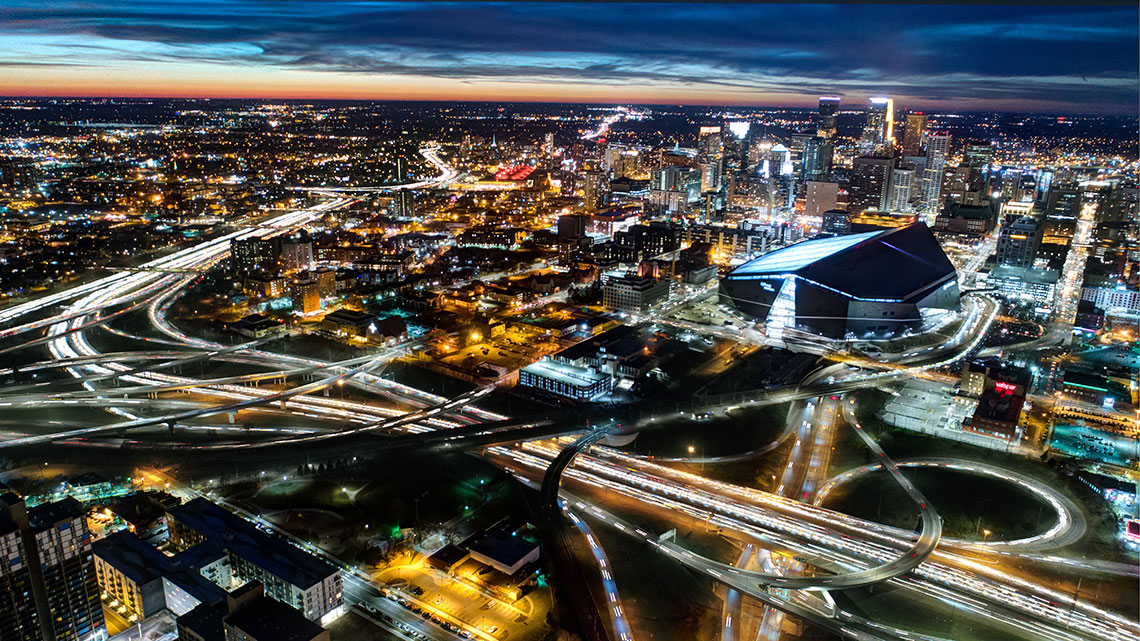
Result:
x=875 y=284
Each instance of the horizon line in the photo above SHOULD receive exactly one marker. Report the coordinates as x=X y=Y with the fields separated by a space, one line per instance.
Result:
x=809 y=107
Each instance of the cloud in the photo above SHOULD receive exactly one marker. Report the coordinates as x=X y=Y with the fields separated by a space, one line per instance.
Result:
x=923 y=53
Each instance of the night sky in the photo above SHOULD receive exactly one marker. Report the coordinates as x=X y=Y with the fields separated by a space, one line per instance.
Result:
x=1056 y=59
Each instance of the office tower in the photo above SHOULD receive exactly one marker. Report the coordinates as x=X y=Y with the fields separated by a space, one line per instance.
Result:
x=787 y=189
x=937 y=147
x=779 y=161
x=956 y=185
x=816 y=158
x=978 y=156
x=870 y=176
x=757 y=153
x=1018 y=241
x=668 y=178
x=1045 y=177
x=912 y=137
x=611 y=158
x=735 y=144
x=902 y=186
x=827 y=116
x=1119 y=203
x=18 y=174
x=670 y=200
x=710 y=176
x=710 y=158
x=739 y=129
x=835 y=221
x=1062 y=210
x=821 y=196
x=402 y=202
x=878 y=131
x=48 y=587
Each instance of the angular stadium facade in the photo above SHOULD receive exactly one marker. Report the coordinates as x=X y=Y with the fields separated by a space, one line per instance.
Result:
x=872 y=284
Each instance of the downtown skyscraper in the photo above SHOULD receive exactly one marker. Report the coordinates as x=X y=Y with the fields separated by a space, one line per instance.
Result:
x=913 y=135
x=827 y=117
x=878 y=130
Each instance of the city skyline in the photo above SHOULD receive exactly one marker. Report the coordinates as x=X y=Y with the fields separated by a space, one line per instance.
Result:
x=1057 y=59
x=515 y=321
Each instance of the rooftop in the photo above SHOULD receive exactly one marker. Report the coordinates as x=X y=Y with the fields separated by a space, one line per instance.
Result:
x=789 y=259
x=142 y=563
x=243 y=539
x=891 y=265
x=503 y=547
x=270 y=619
x=568 y=374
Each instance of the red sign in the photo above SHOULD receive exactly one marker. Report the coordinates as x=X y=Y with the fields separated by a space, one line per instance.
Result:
x=1005 y=387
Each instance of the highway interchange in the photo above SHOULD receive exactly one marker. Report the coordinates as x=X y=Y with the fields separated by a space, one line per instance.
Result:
x=831 y=550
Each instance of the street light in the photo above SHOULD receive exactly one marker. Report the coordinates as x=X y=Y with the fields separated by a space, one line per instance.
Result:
x=985 y=535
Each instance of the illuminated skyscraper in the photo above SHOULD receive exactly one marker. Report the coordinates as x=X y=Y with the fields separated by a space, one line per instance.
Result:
x=978 y=156
x=710 y=158
x=902 y=187
x=548 y=145
x=937 y=147
x=826 y=118
x=912 y=137
x=593 y=189
x=403 y=200
x=878 y=132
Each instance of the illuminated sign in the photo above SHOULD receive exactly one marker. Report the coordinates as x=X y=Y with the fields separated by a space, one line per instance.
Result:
x=1005 y=387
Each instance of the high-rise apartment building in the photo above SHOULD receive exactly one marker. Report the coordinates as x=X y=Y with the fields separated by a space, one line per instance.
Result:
x=937 y=147
x=48 y=587
x=288 y=573
x=593 y=190
x=903 y=182
x=296 y=253
x=870 y=177
x=306 y=296
x=402 y=204
x=252 y=255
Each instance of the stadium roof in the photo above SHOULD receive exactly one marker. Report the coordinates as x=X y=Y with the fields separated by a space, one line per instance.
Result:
x=800 y=255
x=894 y=264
